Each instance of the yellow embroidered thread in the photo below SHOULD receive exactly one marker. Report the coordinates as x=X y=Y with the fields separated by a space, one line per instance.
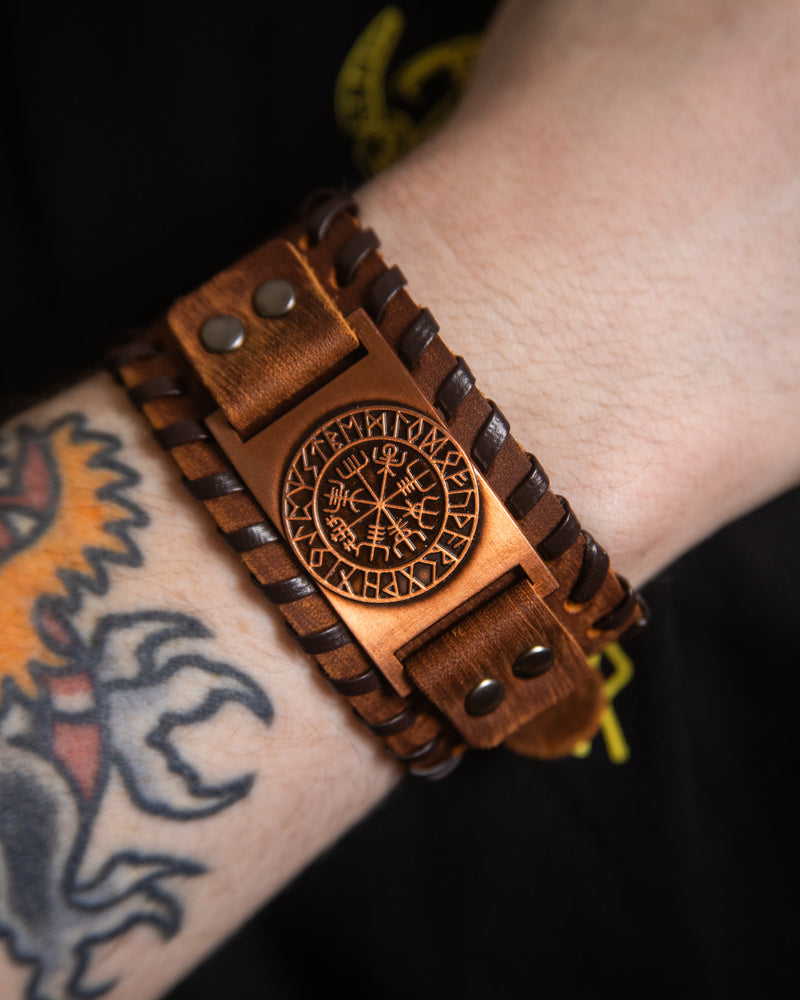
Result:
x=621 y=675
x=366 y=97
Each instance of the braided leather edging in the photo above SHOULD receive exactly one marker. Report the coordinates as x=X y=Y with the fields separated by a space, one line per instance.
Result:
x=594 y=603
x=413 y=734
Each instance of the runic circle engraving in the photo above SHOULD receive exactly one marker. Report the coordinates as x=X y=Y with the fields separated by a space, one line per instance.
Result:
x=380 y=504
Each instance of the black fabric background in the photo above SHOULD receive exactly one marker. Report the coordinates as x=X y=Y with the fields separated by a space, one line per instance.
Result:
x=142 y=149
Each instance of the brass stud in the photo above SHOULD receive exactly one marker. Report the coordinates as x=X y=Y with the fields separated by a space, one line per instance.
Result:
x=274 y=298
x=485 y=697
x=221 y=334
x=534 y=662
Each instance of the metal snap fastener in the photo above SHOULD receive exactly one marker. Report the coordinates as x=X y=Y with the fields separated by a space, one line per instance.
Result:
x=485 y=697
x=534 y=662
x=274 y=298
x=221 y=334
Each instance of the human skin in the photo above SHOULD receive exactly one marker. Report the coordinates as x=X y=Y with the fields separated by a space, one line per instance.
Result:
x=607 y=229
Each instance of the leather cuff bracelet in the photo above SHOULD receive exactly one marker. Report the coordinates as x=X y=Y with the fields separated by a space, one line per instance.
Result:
x=415 y=550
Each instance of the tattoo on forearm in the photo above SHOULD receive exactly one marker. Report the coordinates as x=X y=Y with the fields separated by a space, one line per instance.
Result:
x=80 y=706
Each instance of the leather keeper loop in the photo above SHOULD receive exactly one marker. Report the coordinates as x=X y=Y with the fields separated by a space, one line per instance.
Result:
x=490 y=439
x=562 y=536
x=352 y=253
x=321 y=208
x=416 y=338
x=155 y=388
x=251 y=536
x=214 y=486
x=382 y=291
x=455 y=388
x=351 y=687
x=288 y=590
x=618 y=614
x=324 y=641
x=593 y=571
x=181 y=432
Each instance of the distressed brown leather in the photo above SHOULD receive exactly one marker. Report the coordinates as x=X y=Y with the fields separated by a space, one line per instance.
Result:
x=427 y=733
x=282 y=359
x=486 y=644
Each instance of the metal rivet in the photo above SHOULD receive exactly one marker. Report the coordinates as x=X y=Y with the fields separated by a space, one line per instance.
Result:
x=221 y=334
x=485 y=697
x=274 y=298
x=534 y=662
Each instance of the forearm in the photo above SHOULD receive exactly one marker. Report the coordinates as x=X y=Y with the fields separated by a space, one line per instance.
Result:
x=266 y=766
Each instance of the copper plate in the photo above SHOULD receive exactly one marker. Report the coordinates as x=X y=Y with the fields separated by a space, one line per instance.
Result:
x=264 y=461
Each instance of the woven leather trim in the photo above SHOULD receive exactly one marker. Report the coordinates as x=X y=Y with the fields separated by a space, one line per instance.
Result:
x=155 y=388
x=321 y=208
x=562 y=537
x=455 y=389
x=352 y=253
x=382 y=291
x=594 y=567
x=293 y=588
x=490 y=440
x=324 y=641
x=251 y=536
x=181 y=432
x=418 y=335
x=529 y=492
x=214 y=486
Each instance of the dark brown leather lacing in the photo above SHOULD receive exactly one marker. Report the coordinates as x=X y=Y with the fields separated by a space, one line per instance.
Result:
x=593 y=571
x=419 y=335
x=181 y=432
x=293 y=588
x=352 y=253
x=134 y=350
x=417 y=754
x=156 y=388
x=455 y=388
x=395 y=724
x=352 y=687
x=214 y=486
x=490 y=439
x=321 y=208
x=325 y=640
x=562 y=537
x=251 y=536
x=530 y=491
x=437 y=771
x=619 y=614
x=381 y=292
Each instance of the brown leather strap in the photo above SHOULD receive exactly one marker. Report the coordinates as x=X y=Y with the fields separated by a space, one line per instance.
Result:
x=329 y=252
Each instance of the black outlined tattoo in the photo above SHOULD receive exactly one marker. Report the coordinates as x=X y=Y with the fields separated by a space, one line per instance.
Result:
x=78 y=709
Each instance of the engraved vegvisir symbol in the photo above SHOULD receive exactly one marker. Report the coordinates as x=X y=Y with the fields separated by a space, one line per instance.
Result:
x=380 y=504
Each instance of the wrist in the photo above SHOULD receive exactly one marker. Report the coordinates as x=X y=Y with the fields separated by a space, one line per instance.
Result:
x=521 y=316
